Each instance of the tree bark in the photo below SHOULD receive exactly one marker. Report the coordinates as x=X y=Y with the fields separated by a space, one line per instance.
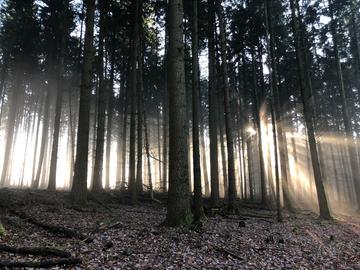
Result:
x=44 y=140
x=79 y=187
x=140 y=86
x=58 y=107
x=214 y=166
x=349 y=138
x=228 y=124
x=133 y=102
x=275 y=107
x=308 y=103
x=198 y=205
x=97 y=184
x=179 y=212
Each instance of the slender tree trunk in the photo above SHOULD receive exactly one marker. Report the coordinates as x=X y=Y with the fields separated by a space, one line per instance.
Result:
x=44 y=140
x=350 y=142
x=250 y=170
x=204 y=159
x=228 y=124
x=110 y=112
x=102 y=104
x=58 y=107
x=29 y=128
x=72 y=141
x=159 y=147
x=133 y=101
x=165 y=153
x=198 y=205
x=275 y=109
x=308 y=103
x=79 y=187
x=296 y=161
x=259 y=132
x=40 y=112
x=124 y=134
x=147 y=148
x=336 y=175
x=214 y=166
x=140 y=89
x=222 y=150
x=3 y=75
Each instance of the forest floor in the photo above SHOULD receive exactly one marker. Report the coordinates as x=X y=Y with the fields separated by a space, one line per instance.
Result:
x=108 y=234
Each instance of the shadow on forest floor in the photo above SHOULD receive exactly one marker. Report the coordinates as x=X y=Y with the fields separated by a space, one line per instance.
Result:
x=108 y=234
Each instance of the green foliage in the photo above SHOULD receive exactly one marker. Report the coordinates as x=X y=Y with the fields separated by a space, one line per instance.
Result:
x=2 y=230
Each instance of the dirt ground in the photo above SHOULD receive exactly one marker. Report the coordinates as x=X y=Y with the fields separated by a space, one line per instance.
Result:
x=109 y=234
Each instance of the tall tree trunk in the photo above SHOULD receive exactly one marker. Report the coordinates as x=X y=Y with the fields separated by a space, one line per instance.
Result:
x=124 y=134
x=259 y=131
x=110 y=113
x=275 y=109
x=350 y=142
x=79 y=187
x=220 y=122
x=58 y=107
x=29 y=129
x=250 y=169
x=72 y=141
x=147 y=148
x=214 y=166
x=44 y=140
x=133 y=101
x=179 y=212
x=308 y=103
x=3 y=75
x=165 y=153
x=139 y=171
x=40 y=112
x=228 y=124
x=198 y=205
x=159 y=174
x=102 y=102
x=204 y=159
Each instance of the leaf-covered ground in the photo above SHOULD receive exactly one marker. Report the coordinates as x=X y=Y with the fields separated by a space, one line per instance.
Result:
x=133 y=237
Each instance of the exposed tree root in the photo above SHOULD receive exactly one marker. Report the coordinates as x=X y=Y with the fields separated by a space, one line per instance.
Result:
x=42 y=251
x=69 y=233
x=42 y=263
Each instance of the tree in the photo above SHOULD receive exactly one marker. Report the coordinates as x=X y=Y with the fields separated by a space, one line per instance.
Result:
x=79 y=188
x=198 y=210
x=308 y=103
x=19 y=38
x=214 y=166
x=228 y=124
x=350 y=143
x=62 y=39
x=275 y=104
x=133 y=100
x=178 y=209
x=102 y=104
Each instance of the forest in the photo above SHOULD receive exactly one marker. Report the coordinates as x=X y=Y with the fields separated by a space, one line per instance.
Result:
x=180 y=134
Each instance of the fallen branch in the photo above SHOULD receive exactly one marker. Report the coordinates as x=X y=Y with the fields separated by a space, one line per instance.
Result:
x=41 y=264
x=69 y=233
x=42 y=251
